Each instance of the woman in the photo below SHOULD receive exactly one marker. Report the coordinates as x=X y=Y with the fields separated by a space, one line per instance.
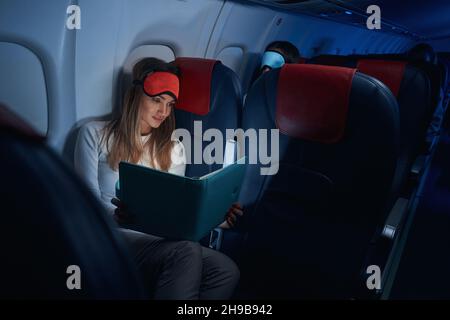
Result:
x=142 y=134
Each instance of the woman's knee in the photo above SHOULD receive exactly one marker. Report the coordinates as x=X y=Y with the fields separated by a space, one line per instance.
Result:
x=222 y=265
x=220 y=276
x=188 y=248
x=231 y=270
x=187 y=252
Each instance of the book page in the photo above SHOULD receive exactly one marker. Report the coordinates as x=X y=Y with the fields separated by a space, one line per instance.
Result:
x=240 y=161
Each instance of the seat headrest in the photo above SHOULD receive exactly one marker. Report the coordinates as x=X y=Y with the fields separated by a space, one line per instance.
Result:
x=312 y=101
x=10 y=122
x=195 y=84
x=331 y=60
x=422 y=53
x=387 y=71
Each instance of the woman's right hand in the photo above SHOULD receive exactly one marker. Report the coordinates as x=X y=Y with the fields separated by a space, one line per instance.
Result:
x=120 y=214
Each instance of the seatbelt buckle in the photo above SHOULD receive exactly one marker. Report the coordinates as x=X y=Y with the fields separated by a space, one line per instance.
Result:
x=215 y=238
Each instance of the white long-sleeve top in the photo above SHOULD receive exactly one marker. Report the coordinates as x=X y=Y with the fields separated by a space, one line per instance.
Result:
x=91 y=163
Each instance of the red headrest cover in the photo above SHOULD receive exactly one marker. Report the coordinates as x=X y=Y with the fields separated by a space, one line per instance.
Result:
x=389 y=72
x=195 y=84
x=312 y=101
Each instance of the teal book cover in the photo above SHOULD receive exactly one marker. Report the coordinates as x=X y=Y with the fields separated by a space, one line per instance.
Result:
x=178 y=207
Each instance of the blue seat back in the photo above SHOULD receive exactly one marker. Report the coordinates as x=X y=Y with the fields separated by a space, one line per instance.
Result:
x=312 y=223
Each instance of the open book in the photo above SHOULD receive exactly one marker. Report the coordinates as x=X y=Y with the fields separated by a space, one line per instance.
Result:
x=178 y=207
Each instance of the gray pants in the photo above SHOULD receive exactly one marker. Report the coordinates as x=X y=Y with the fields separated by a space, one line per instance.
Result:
x=181 y=270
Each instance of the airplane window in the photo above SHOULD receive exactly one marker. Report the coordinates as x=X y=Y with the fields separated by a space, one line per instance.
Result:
x=153 y=50
x=231 y=57
x=23 y=86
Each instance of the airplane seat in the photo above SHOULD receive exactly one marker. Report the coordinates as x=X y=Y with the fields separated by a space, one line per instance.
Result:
x=411 y=88
x=423 y=57
x=393 y=70
x=211 y=96
x=312 y=223
x=52 y=222
x=333 y=60
x=444 y=68
x=422 y=53
x=383 y=56
x=444 y=59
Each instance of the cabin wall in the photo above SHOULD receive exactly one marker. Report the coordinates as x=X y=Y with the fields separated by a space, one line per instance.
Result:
x=37 y=30
x=313 y=36
x=113 y=28
x=80 y=71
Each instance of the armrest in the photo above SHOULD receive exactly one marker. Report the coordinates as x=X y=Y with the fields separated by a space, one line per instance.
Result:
x=395 y=218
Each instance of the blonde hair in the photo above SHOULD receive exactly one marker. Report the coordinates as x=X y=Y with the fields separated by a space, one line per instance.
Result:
x=122 y=135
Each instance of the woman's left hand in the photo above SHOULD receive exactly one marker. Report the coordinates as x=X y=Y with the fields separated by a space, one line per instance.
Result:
x=232 y=215
x=120 y=214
